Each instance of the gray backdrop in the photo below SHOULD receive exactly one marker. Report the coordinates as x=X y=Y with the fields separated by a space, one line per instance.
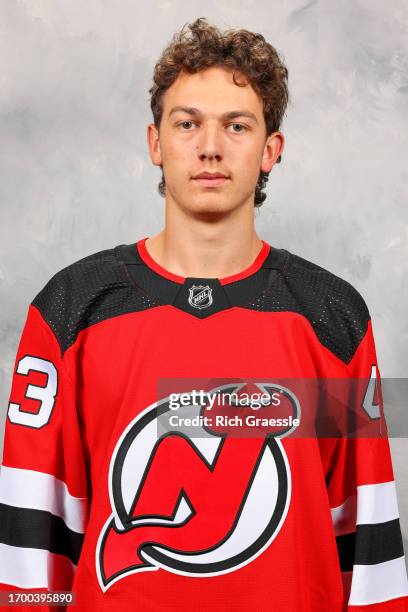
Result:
x=75 y=171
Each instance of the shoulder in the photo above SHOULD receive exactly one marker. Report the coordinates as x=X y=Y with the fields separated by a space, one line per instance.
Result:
x=81 y=277
x=313 y=279
x=78 y=294
x=334 y=307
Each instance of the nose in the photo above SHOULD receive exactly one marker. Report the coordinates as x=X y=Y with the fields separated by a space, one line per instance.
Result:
x=209 y=145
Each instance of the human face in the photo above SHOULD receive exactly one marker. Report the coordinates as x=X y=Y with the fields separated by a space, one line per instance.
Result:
x=209 y=124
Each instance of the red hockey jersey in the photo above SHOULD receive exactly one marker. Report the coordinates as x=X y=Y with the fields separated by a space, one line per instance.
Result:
x=101 y=495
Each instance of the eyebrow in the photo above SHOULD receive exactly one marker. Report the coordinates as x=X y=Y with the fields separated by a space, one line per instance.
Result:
x=191 y=110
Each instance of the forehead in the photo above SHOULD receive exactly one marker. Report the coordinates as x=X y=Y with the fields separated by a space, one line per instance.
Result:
x=213 y=91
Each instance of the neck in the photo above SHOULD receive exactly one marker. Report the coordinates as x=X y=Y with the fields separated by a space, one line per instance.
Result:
x=193 y=247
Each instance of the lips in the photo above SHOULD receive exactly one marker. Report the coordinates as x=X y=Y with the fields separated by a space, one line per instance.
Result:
x=211 y=175
x=208 y=179
x=212 y=182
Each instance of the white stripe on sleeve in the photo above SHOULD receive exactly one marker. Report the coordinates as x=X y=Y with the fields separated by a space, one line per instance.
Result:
x=31 y=568
x=373 y=503
x=378 y=583
x=41 y=491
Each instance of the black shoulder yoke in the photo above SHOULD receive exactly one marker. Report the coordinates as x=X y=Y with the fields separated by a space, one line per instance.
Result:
x=116 y=281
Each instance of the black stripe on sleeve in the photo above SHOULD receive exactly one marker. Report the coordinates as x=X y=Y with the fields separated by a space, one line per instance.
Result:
x=378 y=543
x=30 y=528
x=370 y=544
x=345 y=548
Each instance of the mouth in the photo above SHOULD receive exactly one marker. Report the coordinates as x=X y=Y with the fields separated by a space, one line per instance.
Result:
x=211 y=182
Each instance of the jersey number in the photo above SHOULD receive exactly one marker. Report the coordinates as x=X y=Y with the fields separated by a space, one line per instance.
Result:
x=373 y=410
x=46 y=395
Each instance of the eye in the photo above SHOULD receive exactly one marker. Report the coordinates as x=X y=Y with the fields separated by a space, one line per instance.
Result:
x=183 y=123
x=239 y=125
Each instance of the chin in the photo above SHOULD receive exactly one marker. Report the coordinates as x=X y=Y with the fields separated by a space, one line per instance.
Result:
x=210 y=211
x=211 y=203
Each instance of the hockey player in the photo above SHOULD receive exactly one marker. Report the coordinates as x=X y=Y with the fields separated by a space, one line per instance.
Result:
x=101 y=494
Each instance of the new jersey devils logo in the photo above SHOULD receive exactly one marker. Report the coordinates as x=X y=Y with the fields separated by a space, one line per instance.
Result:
x=197 y=506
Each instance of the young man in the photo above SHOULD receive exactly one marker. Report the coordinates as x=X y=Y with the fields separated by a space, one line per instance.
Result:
x=104 y=489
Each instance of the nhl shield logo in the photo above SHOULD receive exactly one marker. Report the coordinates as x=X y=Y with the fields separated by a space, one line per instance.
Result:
x=200 y=296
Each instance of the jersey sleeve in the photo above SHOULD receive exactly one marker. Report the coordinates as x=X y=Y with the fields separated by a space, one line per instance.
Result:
x=363 y=500
x=43 y=479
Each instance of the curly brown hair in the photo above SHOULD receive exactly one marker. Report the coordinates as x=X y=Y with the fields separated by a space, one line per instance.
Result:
x=198 y=46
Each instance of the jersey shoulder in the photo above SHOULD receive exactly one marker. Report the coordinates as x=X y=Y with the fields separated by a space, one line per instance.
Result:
x=85 y=292
x=334 y=307
x=99 y=286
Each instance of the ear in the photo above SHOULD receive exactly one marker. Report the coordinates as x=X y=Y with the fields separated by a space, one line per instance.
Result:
x=273 y=148
x=153 y=141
